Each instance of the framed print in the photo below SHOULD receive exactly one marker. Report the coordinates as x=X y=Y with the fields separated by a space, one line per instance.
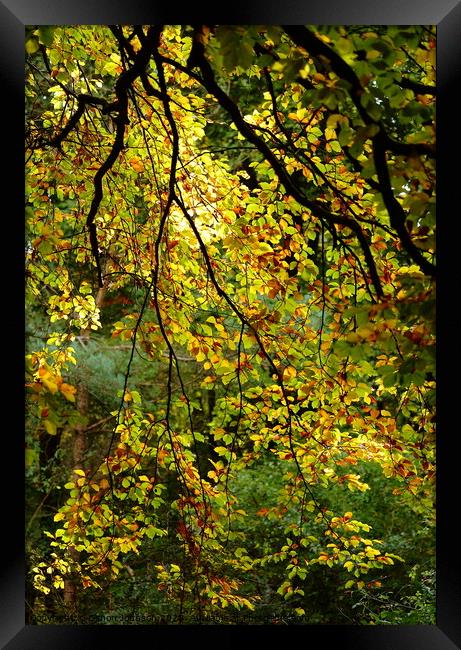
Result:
x=231 y=324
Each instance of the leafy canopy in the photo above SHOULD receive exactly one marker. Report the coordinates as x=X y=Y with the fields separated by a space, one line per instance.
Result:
x=258 y=206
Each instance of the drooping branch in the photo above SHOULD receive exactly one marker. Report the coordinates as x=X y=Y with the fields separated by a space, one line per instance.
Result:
x=82 y=101
x=396 y=212
x=381 y=141
x=155 y=277
x=302 y=155
x=278 y=375
x=208 y=81
x=303 y=37
x=122 y=86
x=245 y=323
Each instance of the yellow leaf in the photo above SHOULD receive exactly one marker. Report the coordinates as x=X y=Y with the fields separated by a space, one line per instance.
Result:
x=50 y=427
x=289 y=373
x=68 y=391
x=48 y=380
x=59 y=516
x=262 y=248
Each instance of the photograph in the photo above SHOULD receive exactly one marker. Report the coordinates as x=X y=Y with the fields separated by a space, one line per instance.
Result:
x=230 y=323
x=230 y=330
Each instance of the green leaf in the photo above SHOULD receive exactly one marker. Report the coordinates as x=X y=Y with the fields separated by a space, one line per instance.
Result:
x=46 y=35
x=335 y=146
x=370 y=104
x=32 y=45
x=363 y=134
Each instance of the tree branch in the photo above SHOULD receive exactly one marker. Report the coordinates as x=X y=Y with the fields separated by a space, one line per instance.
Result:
x=209 y=82
x=304 y=38
x=122 y=86
x=396 y=212
x=82 y=101
x=417 y=88
x=381 y=142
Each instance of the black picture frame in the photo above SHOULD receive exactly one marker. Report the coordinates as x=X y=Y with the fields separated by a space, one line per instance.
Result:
x=446 y=14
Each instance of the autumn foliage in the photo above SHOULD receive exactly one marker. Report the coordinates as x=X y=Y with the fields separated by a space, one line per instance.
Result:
x=247 y=216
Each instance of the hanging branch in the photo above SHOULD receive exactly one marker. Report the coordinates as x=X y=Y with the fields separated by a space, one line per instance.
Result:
x=381 y=142
x=83 y=100
x=303 y=37
x=171 y=197
x=122 y=86
x=208 y=81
